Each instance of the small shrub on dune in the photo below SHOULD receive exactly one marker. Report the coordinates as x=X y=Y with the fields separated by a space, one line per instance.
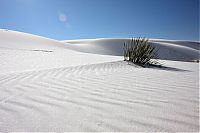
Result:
x=141 y=52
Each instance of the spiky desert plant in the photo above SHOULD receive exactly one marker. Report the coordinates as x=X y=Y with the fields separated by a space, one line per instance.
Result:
x=140 y=51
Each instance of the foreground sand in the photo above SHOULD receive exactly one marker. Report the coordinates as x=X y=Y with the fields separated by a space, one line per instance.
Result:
x=103 y=97
x=47 y=86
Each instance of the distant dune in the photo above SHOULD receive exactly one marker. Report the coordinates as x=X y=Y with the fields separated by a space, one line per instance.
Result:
x=168 y=50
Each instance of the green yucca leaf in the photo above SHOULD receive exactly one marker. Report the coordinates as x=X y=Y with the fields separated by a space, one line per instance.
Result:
x=140 y=51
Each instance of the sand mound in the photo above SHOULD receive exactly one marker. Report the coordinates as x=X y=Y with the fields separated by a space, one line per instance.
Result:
x=24 y=52
x=24 y=41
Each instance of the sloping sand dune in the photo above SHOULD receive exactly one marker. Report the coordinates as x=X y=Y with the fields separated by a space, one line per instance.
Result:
x=24 y=41
x=25 y=52
x=47 y=86
x=168 y=50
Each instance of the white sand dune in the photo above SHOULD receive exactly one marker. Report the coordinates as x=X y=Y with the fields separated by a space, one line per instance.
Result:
x=52 y=88
x=168 y=50
x=25 y=52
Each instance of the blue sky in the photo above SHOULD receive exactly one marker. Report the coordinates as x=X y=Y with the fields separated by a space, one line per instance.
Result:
x=77 y=19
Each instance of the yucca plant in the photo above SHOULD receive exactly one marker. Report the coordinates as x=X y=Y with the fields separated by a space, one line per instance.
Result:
x=140 y=51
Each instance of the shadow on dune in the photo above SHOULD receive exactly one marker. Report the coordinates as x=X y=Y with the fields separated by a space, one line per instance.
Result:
x=158 y=67
x=161 y=67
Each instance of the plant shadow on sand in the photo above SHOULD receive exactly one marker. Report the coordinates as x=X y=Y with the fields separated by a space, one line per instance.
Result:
x=158 y=67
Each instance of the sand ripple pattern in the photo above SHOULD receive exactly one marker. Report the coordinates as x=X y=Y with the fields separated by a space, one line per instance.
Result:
x=101 y=97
